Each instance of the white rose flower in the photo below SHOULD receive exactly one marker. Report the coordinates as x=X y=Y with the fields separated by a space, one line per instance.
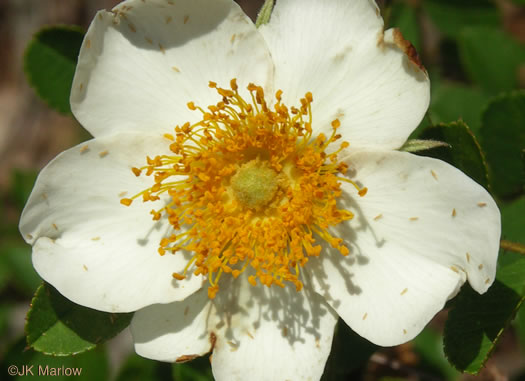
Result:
x=267 y=228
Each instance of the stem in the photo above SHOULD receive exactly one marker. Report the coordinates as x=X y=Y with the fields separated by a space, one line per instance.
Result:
x=512 y=246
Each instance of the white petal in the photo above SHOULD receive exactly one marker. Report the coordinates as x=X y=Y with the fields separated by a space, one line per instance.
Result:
x=257 y=333
x=142 y=63
x=176 y=331
x=287 y=335
x=419 y=232
x=336 y=49
x=94 y=250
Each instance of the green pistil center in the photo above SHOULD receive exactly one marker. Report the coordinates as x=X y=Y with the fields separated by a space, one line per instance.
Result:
x=254 y=184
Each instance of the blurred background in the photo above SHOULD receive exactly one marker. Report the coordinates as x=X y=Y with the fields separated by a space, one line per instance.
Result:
x=473 y=50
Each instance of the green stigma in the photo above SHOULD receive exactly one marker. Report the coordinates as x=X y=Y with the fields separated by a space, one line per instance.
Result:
x=254 y=184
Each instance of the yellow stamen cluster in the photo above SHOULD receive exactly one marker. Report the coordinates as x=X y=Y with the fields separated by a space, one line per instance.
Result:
x=249 y=187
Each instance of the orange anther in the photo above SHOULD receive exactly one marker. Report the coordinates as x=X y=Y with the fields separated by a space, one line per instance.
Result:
x=126 y=201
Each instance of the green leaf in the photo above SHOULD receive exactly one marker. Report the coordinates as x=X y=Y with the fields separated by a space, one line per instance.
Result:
x=140 y=369
x=194 y=370
x=349 y=353
x=490 y=57
x=49 y=62
x=92 y=365
x=265 y=13
x=451 y=101
x=452 y=16
x=512 y=218
x=503 y=139
x=476 y=322
x=416 y=145
x=60 y=327
x=463 y=152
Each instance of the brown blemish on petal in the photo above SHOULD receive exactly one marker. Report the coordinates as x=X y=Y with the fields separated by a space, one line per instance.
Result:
x=103 y=153
x=433 y=174
x=285 y=331
x=342 y=54
x=132 y=27
x=404 y=291
x=186 y=19
x=161 y=48
x=480 y=267
x=454 y=212
x=186 y=310
x=404 y=332
x=122 y=194
x=250 y=335
x=148 y=40
x=381 y=39
x=487 y=281
x=414 y=218
x=468 y=257
x=378 y=217
x=213 y=341
x=55 y=226
x=29 y=236
x=168 y=19
x=84 y=148
x=88 y=43
x=95 y=238
x=85 y=267
x=175 y=68
x=455 y=269
x=482 y=204
x=409 y=49
x=185 y=358
x=365 y=315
